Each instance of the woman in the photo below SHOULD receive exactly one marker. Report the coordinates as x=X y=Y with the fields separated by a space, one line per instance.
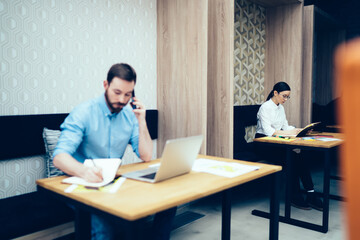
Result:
x=271 y=121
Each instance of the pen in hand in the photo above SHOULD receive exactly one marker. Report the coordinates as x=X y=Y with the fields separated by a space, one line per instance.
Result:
x=98 y=171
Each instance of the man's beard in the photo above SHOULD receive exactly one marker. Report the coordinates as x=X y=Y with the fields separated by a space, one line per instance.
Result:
x=115 y=107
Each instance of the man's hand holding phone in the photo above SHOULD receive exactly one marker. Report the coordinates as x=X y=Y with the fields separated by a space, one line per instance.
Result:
x=138 y=107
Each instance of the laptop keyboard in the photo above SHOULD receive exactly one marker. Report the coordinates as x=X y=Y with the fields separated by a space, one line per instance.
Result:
x=150 y=176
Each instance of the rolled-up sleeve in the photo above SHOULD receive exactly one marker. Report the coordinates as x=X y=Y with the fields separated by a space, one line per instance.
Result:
x=286 y=126
x=72 y=132
x=134 y=139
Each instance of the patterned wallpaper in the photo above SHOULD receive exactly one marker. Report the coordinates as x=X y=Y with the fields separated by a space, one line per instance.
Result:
x=18 y=176
x=56 y=53
x=249 y=56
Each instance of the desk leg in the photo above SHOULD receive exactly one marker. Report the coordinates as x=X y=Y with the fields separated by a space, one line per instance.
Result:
x=132 y=231
x=82 y=224
x=288 y=166
x=326 y=194
x=226 y=215
x=326 y=191
x=274 y=206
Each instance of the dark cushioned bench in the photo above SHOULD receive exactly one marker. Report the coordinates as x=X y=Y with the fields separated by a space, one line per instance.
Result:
x=21 y=136
x=244 y=116
x=327 y=115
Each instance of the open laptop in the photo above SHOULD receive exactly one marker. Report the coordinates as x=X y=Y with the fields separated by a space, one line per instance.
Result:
x=178 y=158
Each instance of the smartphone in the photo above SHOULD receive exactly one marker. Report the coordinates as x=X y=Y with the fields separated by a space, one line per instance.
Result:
x=132 y=100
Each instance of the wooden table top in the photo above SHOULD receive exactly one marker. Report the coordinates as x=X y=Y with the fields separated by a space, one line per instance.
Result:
x=136 y=199
x=308 y=143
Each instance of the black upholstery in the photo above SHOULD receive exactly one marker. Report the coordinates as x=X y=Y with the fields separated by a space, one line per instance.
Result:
x=326 y=114
x=31 y=212
x=244 y=116
x=21 y=135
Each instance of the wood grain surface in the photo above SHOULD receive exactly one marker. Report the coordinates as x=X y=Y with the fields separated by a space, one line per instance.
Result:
x=136 y=199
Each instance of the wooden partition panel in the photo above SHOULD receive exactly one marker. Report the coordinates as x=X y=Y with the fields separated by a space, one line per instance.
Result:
x=308 y=55
x=182 y=69
x=284 y=55
x=220 y=78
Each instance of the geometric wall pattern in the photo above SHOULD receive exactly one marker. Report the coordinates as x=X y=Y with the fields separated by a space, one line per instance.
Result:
x=249 y=55
x=56 y=53
x=18 y=176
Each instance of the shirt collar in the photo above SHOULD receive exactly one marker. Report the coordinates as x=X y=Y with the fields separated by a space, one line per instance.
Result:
x=273 y=105
x=103 y=106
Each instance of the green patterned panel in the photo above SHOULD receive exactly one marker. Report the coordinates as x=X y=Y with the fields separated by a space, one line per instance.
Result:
x=249 y=53
x=249 y=56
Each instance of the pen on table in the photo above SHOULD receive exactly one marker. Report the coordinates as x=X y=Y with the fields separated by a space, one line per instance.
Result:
x=283 y=137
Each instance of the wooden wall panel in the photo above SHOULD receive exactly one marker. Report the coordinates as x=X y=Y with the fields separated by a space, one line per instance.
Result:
x=182 y=69
x=220 y=78
x=308 y=48
x=284 y=55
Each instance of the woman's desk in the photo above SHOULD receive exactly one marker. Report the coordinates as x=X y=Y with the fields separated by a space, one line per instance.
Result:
x=310 y=144
x=136 y=200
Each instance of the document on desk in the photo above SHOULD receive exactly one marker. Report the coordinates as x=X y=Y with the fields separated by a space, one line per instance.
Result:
x=280 y=139
x=112 y=187
x=225 y=169
x=327 y=139
x=109 y=168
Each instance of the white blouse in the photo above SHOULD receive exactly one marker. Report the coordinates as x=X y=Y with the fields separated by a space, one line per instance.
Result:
x=271 y=117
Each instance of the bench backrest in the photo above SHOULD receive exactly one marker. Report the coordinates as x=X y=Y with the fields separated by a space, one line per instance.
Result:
x=244 y=116
x=21 y=135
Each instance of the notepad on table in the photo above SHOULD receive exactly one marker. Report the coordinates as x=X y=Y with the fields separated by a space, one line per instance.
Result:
x=280 y=139
x=221 y=168
x=109 y=168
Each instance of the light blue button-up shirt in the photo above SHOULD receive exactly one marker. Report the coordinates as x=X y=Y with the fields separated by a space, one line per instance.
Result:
x=92 y=131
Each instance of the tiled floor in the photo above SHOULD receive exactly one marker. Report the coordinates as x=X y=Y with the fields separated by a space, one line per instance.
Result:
x=255 y=195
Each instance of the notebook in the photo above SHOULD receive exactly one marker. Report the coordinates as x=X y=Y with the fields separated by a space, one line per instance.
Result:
x=178 y=158
x=109 y=168
x=305 y=131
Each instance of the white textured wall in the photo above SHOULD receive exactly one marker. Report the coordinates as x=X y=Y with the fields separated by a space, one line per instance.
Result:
x=56 y=53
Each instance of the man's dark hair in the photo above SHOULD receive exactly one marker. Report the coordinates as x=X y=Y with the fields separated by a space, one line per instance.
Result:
x=123 y=71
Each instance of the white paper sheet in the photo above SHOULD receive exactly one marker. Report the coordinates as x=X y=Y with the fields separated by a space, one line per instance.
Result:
x=325 y=139
x=225 y=169
x=109 y=168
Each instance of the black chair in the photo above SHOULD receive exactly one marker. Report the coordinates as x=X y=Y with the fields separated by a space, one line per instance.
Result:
x=326 y=114
x=244 y=116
